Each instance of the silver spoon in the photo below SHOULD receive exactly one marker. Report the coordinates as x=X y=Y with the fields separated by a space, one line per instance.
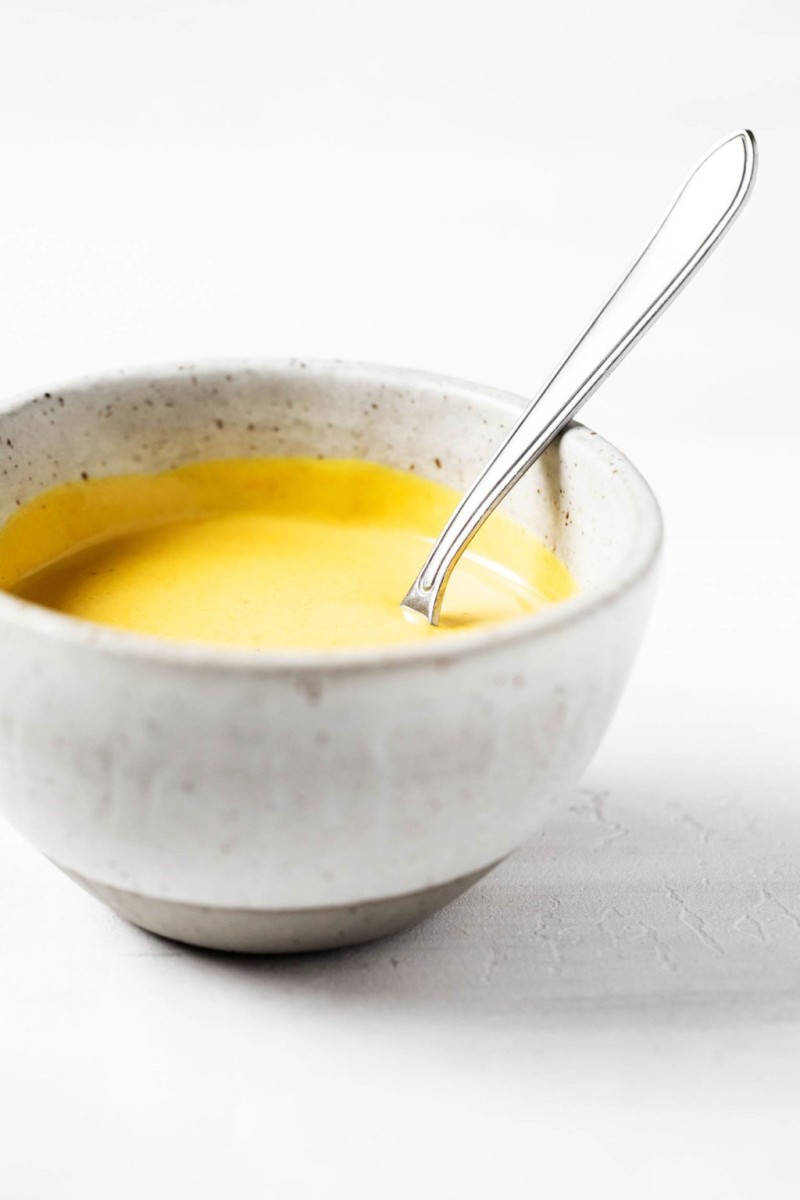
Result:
x=700 y=214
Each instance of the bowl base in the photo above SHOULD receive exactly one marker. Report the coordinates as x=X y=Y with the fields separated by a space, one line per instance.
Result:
x=276 y=931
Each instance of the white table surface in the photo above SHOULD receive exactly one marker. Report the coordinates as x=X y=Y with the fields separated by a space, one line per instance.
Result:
x=615 y=1011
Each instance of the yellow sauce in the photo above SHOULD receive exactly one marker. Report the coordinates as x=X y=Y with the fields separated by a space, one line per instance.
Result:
x=266 y=553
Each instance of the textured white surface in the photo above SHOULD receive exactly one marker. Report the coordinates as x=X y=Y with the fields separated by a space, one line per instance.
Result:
x=615 y=1012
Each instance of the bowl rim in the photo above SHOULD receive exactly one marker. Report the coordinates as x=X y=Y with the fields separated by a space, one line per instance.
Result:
x=642 y=558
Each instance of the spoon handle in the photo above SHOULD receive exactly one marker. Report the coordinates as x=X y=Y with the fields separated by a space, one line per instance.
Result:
x=702 y=211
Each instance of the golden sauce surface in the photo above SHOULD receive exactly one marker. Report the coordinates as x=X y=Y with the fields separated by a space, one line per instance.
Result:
x=267 y=553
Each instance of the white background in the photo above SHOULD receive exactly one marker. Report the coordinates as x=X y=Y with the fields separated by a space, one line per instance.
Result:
x=616 y=1011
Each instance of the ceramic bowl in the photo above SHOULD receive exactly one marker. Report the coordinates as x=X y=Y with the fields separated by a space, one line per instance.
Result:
x=285 y=801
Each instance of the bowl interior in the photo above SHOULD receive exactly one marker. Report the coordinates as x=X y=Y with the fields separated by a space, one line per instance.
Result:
x=582 y=498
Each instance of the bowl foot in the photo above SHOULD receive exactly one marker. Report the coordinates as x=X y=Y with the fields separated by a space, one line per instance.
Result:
x=277 y=931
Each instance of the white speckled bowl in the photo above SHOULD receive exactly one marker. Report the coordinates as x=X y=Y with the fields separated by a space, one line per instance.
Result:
x=293 y=801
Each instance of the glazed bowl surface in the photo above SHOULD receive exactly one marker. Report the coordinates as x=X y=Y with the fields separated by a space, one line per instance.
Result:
x=278 y=801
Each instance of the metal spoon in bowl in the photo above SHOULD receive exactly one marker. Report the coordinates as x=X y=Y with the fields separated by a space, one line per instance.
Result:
x=703 y=210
